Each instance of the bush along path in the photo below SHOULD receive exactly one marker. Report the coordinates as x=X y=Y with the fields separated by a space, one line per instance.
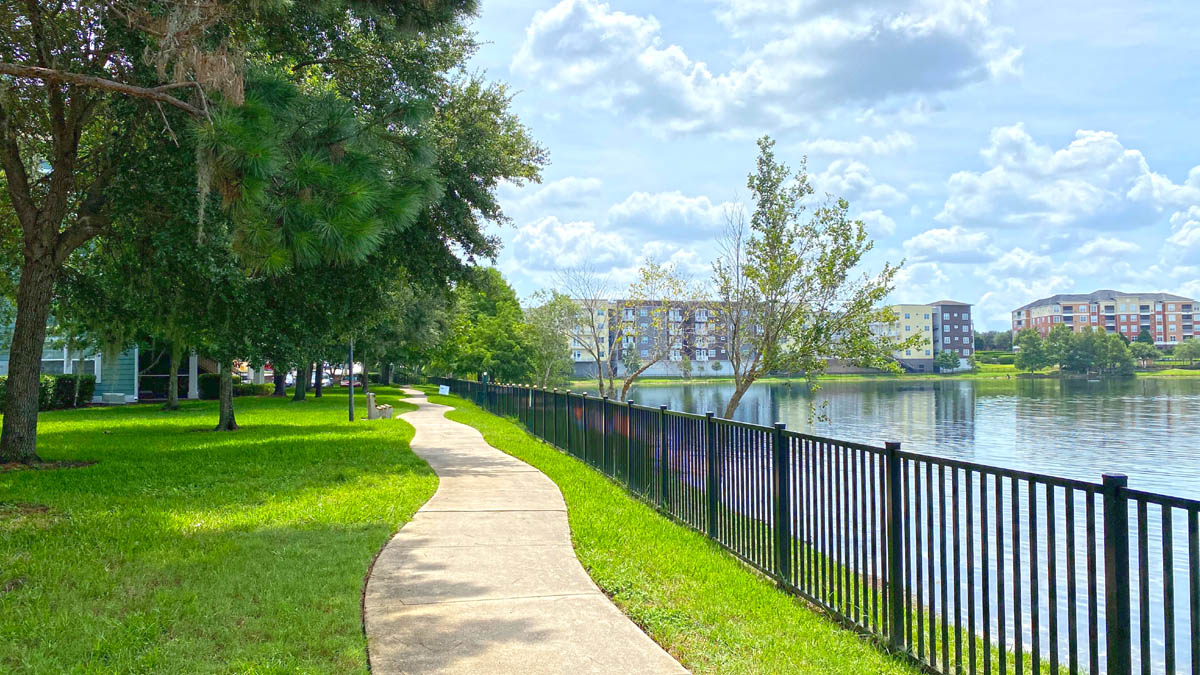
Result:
x=185 y=550
x=484 y=578
x=700 y=603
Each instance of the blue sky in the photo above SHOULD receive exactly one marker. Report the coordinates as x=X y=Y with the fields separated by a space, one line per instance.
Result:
x=1004 y=150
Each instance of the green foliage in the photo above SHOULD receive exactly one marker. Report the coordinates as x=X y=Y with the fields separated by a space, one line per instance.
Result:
x=789 y=293
x=251 y=389
x=209 y=385
x=947 y=360
x=1146 y=353
x=1144 y=337
x=1188 y=350
x=64 y=390
x=993 y=340
x=489 y=333
x=46 y=391
x=548 y=323
x=1031 y=354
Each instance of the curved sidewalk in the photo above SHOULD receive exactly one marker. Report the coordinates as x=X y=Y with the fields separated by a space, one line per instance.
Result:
x=484 y=578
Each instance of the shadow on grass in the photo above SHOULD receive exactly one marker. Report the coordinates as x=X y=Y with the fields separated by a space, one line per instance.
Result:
x=203 y=551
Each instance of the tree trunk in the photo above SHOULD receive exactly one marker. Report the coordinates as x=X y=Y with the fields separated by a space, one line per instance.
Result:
x=280 y=379
x=366 y=383
x=387 y=374
x=736 y=399
x=319 y=375
x=303 y=373
x=173 y=379
x=78 y=375
x=226 y=421
x=18 y=440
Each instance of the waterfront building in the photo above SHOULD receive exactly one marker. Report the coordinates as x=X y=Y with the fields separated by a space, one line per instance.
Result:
x=945 y=325
x=1167 y=318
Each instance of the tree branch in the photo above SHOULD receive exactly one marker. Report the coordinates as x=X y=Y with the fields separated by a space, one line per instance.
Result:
x=151 y=93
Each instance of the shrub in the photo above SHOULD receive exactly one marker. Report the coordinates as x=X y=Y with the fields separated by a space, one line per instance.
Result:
x=209 y=385
x=251 y=389
x=47 y=390
x=64 y=390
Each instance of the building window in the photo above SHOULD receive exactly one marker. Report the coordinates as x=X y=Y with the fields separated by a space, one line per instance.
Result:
x=945 y=315
x=907 y=328
x=906 y=315
x=645 y=353
x=946 y=340
x=908 y=352
x=1171 y=308
x=927 y=316
x=926 y=352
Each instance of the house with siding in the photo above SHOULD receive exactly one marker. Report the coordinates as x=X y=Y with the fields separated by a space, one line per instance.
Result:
x=118 y=373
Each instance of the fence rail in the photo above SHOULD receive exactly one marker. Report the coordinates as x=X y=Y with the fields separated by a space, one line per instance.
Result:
x=968 y=568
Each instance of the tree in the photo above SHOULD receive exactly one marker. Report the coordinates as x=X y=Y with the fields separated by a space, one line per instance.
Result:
x=1188 y=350
x=657 y=314
x=1031 y=351
x=787 y=293
x=1144 y=353
x=1058 y=345
x=592 y=327
x=1144 y=337
x=947 y=360
x=489 y=334
x=549 y=321
x=85 y=80
x=1118 y=356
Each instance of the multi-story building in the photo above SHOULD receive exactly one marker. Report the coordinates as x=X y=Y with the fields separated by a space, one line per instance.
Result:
x=1166 y=317
x=638 y=332
x=945 y=325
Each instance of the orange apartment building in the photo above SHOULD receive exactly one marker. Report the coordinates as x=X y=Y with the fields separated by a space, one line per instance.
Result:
x=1168 y=318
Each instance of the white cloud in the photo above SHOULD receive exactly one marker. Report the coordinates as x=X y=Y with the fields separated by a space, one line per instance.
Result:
x=919 y=282
x=951 y=245
x=878 y=223
x=814 y=58
x=853 y=181
x=1185 y=231
x=1094 y=182
x=549 y=244
x=1108 y=248
x=671 y=215
x=895 y=141
x=569 y=192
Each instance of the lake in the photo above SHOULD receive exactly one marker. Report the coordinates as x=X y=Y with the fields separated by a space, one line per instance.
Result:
x=1147 y=428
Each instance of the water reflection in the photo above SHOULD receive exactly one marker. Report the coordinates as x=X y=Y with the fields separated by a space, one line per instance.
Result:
x=1143 y=427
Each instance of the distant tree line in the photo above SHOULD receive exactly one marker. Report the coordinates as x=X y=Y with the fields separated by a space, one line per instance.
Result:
x=1089 y=351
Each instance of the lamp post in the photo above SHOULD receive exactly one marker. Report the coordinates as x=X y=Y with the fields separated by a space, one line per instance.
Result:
x=351 y=379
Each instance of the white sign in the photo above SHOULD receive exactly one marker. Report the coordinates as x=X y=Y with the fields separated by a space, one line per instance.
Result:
x=444 y=390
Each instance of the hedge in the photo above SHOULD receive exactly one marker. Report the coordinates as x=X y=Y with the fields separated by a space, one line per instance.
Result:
x=251 y=389
x=209 y=385
x=57 y=391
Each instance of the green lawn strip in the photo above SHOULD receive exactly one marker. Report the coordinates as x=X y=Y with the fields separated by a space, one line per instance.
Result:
x=698 y=601
x=187 y=550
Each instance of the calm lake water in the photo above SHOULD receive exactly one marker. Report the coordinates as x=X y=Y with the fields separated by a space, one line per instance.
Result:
x=1146 y=428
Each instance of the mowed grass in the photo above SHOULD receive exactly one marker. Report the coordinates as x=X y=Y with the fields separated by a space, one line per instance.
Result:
x=188 y=550
x=697 y=601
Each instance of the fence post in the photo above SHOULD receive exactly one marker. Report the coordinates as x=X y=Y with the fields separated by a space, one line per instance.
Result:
x=710 y=481
x=895 y=587
x=567 y=420
x=662 y=455
x=629 y=444
x=780 y=467
x=583 y=409
x=554 y=416
x=1116 y=574
x=602 y=460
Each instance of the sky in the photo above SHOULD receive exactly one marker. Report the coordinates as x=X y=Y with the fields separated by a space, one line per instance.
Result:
x=1004 y=151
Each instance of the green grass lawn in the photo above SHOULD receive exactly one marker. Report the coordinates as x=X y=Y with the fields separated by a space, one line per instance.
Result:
x=697 y=601
x=187 y=550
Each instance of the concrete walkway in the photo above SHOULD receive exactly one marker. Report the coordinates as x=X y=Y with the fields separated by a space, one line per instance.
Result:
x=484 y=578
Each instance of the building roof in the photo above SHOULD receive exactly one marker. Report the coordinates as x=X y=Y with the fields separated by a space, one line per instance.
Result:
x=1100 y=296
x=950 y=302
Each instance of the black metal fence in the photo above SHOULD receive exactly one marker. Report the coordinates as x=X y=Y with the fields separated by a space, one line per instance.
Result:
x=966 y=567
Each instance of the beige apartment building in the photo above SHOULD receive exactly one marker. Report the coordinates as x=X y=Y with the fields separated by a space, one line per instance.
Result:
x=945 y=325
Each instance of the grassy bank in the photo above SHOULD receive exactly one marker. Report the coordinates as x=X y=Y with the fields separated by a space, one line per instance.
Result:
x=186 y=550
x=697 y=601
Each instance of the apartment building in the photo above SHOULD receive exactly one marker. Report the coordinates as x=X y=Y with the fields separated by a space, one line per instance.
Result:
x=637 y=331
x=945 y=325
x=1167 y=318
